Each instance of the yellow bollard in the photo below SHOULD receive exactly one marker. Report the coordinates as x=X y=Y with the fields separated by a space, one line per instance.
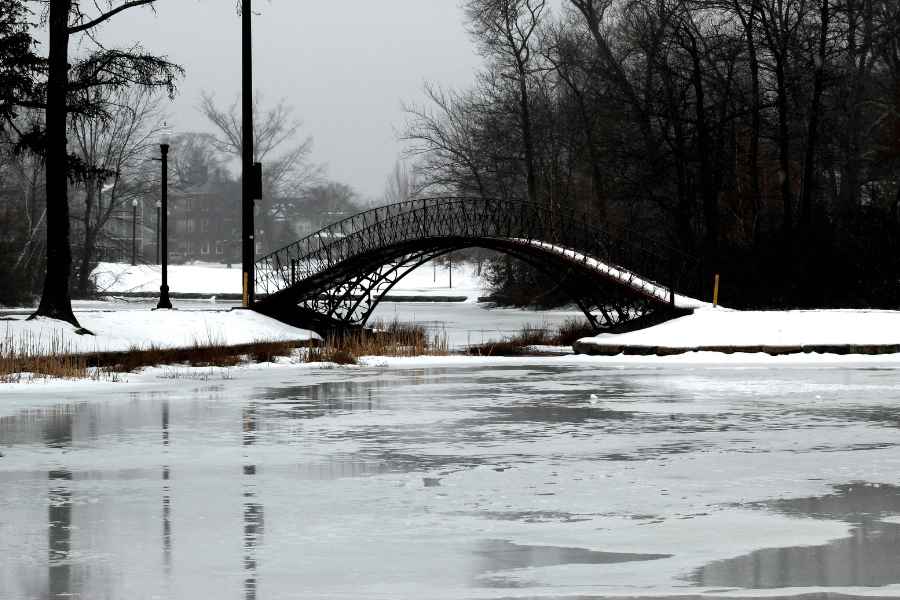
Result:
x=716 y=292
x=245 y=287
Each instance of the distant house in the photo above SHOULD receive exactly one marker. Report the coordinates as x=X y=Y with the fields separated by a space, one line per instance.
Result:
x=205 y=221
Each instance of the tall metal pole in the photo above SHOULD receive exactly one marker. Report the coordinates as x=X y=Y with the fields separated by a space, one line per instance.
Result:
x=247 y=230
x=157 y=231
x=164 y=301
x=133 y=233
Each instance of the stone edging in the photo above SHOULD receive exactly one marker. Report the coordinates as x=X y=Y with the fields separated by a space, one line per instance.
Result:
x=614 y=349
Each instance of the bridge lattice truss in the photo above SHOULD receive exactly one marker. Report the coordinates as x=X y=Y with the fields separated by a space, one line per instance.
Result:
x=335 y=277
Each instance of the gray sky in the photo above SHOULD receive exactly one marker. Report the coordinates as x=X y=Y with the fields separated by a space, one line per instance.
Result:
x=345 y=65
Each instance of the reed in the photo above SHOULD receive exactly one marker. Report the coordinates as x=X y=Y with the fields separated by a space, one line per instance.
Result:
x=393 y=338
x=28 y=357
x=529 y=336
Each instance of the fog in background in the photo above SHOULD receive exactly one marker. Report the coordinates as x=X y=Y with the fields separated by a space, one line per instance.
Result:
x=345 y=65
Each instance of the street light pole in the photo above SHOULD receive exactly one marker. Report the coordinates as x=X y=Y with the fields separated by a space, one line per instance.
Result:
x=165 y=136
x=134 y=232
x=158 y=206
x=247 y=228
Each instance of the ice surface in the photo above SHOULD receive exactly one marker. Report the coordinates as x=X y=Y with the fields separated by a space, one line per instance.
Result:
x=295 y=481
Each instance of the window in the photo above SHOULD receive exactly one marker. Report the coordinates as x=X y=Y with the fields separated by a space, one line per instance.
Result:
x=204 y=225
x=190 y=204
x=190 y=226
x=259 y=247
x=204 y=203
x=190 y=247
x=204 y=247
x=220 y=248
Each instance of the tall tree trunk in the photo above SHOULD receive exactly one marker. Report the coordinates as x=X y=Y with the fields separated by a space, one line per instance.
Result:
x=784 y=150
x=527 y=134
x=56 y=301
x=87 y=247
x=707 y=187
x=818 y=85
x=755 y=119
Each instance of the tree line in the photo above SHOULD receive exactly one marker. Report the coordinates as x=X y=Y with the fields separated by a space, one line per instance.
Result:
x=760 y=135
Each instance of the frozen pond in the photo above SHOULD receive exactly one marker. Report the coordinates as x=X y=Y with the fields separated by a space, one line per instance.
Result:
x=490 y=479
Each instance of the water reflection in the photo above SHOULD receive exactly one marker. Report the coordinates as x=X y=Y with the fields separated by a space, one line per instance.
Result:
x=59 y=519
x=870 y=557
x=166 y=509
x=502 y=555
x=253 y=513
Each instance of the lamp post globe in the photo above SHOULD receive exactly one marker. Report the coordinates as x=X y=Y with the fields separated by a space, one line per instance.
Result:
x=164 y=138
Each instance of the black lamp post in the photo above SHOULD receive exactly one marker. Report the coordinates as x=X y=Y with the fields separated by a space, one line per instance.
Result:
x=134 y=232
x=165 y=136
x=158 y=206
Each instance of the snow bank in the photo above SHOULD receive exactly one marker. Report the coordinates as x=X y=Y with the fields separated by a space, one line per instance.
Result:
x=121 y=330
x=724 y=327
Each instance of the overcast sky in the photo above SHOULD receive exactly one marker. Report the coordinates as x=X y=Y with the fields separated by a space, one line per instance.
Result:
x=344 y=65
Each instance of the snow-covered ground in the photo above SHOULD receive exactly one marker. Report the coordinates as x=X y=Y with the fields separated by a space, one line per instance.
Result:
x=122 y=330
x=723 y=327
x=217 y=279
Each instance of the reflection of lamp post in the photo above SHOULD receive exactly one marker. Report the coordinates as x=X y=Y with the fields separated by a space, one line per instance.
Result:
x=133 y=232
x=158 y=206
x=165 y=136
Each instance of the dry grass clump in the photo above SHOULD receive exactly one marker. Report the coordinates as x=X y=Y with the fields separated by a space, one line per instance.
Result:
x=574 y=329
x=26 y=358
x=382 y=338
x=524 y=341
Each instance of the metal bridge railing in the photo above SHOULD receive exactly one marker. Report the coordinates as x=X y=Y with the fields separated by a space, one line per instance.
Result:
x=637 y=256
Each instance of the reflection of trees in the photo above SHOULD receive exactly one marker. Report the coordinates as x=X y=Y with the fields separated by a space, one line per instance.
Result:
x=59 y=519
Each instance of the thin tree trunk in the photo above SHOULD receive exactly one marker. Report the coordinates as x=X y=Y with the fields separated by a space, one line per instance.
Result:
x=784 y=159
x=818 y=85
x=707 y=189
x=755 y=123
x=56 y=301
x=527 y=136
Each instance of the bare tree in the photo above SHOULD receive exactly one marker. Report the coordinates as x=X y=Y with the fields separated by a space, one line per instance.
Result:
x=402 y=184
x=286 y=175
x=506 y=32
x=118 y=146
x=191 y=157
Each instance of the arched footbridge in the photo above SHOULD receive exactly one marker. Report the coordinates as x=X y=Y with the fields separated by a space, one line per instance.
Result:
x=334 y=278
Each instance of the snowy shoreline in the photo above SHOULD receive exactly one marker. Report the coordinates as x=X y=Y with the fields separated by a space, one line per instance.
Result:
x=771 y=332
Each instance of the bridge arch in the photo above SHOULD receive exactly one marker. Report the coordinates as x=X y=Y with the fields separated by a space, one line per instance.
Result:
x=335 y=277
